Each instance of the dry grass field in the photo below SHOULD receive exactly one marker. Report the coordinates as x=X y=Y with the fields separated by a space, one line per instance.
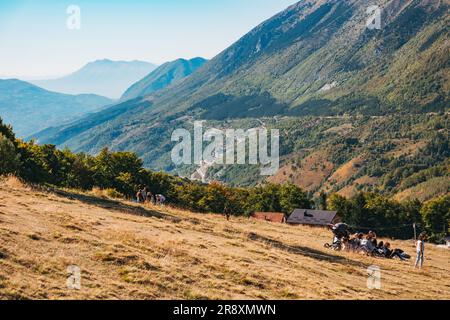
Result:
x=125 y=251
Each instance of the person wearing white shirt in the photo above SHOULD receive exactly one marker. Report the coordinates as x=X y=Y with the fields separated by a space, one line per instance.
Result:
x=420 y=246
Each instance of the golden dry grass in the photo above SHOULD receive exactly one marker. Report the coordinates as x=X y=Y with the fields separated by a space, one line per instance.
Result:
x=129 y=252
x=313 y=171
x=344 y=174
x=405 y=147
x=426 y=190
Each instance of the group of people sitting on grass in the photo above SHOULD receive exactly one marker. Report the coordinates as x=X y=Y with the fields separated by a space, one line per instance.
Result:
x=146 y=196
x=363 y=243
x=369 y=245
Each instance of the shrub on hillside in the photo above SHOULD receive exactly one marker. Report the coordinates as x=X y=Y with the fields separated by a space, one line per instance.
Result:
x=9 y=159
x=436 y=215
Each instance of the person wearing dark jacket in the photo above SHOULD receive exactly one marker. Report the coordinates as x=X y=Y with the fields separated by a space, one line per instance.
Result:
x=391 y=254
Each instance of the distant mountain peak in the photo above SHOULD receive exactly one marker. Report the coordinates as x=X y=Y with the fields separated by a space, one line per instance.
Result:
x=103 y=77
x=167 y=74
x=107 y=61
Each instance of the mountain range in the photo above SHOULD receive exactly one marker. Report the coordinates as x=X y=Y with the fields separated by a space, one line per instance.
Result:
x=102 y=77
x=164 y=76
x=30 y=108
x=317 y=65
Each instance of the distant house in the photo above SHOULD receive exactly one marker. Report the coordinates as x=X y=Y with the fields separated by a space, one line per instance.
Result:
x=277 y=217
x=312 y=217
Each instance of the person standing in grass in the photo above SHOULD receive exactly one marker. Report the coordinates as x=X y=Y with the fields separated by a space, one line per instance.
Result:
x=144 y=194
x=420 y=245
x=139 y=197
x=149 y=196
x=227 y=212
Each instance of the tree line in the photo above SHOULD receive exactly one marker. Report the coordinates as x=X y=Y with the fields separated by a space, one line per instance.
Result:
x=123 y=174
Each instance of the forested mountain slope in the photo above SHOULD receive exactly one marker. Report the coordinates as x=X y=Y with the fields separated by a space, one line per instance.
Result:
x=314 y=61
x=164 y=76
x=30 y=108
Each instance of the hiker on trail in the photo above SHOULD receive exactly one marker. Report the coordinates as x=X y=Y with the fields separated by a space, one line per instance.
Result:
x=420 y=246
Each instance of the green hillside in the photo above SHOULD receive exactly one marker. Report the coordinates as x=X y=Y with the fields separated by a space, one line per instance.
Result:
x=30 y=108
x=165 y=75
x=316 y=67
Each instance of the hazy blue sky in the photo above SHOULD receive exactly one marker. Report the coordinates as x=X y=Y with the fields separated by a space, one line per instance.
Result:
x=35 y=41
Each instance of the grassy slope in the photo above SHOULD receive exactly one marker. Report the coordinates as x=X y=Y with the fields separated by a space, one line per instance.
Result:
x=126 y=252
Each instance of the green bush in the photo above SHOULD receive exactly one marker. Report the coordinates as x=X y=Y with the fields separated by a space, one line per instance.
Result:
x=436 y=216
x=9 y=159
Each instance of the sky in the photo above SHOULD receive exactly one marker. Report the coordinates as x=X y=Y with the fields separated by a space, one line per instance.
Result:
x=36 y=42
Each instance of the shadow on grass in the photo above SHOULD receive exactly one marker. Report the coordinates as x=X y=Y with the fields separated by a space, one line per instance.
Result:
x=305 y=251
x=113 y=205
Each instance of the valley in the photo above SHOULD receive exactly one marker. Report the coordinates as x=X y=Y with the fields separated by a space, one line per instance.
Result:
x=371 y=106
